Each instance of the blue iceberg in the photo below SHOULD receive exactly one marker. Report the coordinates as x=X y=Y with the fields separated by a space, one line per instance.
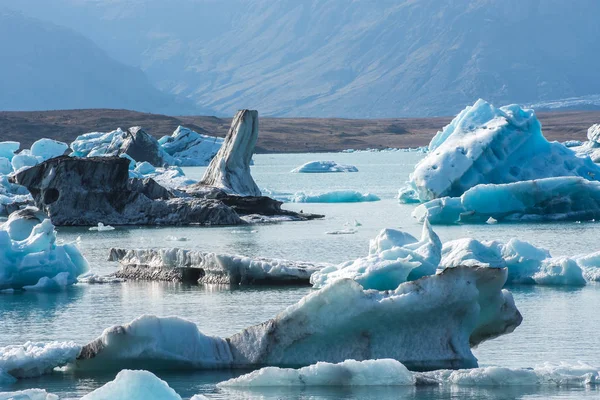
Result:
x=191 y=148
x=336 y=196
x=324 y=166
x=488 y=145
x=551 y=199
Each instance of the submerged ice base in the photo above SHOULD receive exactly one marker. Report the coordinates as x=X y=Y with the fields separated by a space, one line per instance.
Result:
x=324 y=166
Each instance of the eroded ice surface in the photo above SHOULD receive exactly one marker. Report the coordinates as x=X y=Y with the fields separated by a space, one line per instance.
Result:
x=591 y=148
x=324 y=166
x=484 y=144
x=336 y=196
x=29 y=394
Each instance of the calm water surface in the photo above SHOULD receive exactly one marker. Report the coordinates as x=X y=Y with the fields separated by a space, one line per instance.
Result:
x=560 y=325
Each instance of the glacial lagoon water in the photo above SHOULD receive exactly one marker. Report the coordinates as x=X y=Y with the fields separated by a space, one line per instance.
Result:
x=560 y=324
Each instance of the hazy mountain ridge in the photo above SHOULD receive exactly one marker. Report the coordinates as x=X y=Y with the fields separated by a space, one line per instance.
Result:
x=48 y=67
x=348 y=58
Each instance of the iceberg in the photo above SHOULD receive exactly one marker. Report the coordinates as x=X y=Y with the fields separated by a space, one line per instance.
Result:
x=191 y=148
x=29 y=394
x=29 y=254
x=427 y=324
x=229 y=170
x=393 y=373
x=336 y=196
x=560 y=375
x=44 y=149
x=8 y=149
x=551 y=199
x=324 y=166
x=134 y=385
x=24 y=160
x=525 y=263
x=488 y=145
x=394 y=257
x=591 y=148
x=102 y=228
x=12 y=196
x=35 y=359
x=386 y=372
x=209 y=268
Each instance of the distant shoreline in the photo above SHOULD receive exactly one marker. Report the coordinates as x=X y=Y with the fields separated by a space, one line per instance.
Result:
x=277 y=135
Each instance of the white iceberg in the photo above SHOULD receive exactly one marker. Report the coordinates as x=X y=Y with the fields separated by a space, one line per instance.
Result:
x=591 y=148
x=46 y=149
x=95 y=144
x=394 y=257
x=336 y=196
x=28 y=253
x=191 y=148
x=427 y=324
x=134 y=385
x=24 y=160
x=169 y=177
x=34 y=359
x=525 y=263
x=488 y=145
x=102 y=228
x=324 y=166
x=29 y=394
x=386 y=372
x=551 y=199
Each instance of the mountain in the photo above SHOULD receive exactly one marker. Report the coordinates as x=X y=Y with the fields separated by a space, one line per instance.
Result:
x=47 y=67
x=348 y=58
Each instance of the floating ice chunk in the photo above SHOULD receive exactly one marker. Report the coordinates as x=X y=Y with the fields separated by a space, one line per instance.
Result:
x=102 y=228
x=35 y=359
x=20 y=223
x=342 y=232
x=24 y=262
x=134 y=385
x=551 y=199
x=213 y=268
x=29 y=394
x=191 y=148
x=177 y=239
x=525 y=262
x=429 y=324
x=545 y=374
x=155 y=343
x=590 y=265
x=491 y=221
x=98 y=279
x=336 y=196
x=484 y=144
x=347 y=373
x=394 y=257
x=8 y=149
x=324 y=166
x=408 y=195
x=48 y=148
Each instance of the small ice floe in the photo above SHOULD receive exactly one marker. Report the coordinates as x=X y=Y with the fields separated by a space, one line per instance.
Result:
x=342 y=232
x=98 y=279
x=491 y=221
x=28 y=394
x=324 y=166
x=335 y=196
x=102 y=228
x=177 y=239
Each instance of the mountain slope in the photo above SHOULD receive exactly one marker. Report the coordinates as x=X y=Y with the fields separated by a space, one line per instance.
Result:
x=45 y=66
x=359 y=58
